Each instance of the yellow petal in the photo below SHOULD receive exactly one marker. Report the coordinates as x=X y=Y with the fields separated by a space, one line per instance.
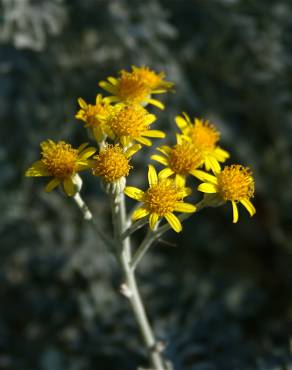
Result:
x=221 y=154
x=84 y=165
x=180 y=180
x=235 y=212
x=143 y=141
x=159 y=159
x=100 y=118
x=156 y=103
x=152 y=175
x=88 y=152
x=134 y=193
x=82 y=103
x=161 y=91
x=153 y=219
x=98 y=99
x=206 y=187
x=181 y=139
x=125 y=140
x=80 y=115
x=107 y=87
x=132 y=150
x=187 y=118
x=81 y=147
x=165 y=173
x=174 y=222
x=69 y=187
x=52 y=184
x=185 y=192
x=112 y=80
x=212 y=163
x=184 y=207
x=181 y=122
x=153 y=133
x=249 y=206
x=150 y=118
x=139 y=213
x=37 y=169
x=204 y=176
x=164 y=149
x=112 y=99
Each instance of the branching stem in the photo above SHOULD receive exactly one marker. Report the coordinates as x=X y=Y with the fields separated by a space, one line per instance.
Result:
x=130 y=288
x=88 y=216
x=122 y=244
x=152 y=236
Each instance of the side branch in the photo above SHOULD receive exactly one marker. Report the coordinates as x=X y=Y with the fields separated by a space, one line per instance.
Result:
x=88 y=216
x=153 y=236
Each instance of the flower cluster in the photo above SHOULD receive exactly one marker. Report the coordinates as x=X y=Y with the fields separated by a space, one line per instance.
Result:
x=121 y=123
x=197 y=148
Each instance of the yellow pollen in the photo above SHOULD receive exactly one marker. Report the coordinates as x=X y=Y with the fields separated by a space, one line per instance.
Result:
x=131 y=88
x=111 y=163
x=130 y=121
x=161 y=198
x=235 y=182
x=184 y=158
x=150 y=78
x=204 y=135
x=60 y=158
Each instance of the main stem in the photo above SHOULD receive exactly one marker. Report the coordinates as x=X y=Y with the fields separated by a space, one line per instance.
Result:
x=130 y=288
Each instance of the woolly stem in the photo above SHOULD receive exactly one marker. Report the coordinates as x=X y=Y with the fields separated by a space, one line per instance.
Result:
x=130 y=288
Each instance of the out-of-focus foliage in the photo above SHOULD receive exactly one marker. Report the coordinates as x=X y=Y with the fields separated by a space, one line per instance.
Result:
x=222 y=298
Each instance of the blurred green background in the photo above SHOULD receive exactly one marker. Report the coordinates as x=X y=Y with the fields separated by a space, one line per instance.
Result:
x=219 y=294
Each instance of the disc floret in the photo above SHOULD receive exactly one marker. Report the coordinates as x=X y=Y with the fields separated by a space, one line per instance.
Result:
x=180 y=160
x=131 y=89
x=234 y=183
x=62 y=162
x=161 y=199
x=131 y=123
x=205 y=137
x=112 y=162
x=94 y=115
x=155 y=81
x=136 y=87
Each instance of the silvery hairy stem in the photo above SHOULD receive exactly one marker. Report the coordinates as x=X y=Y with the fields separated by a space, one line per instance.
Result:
x=130 y=288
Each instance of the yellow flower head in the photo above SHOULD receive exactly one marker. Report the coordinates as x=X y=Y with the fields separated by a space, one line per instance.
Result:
x=132 y=88
x=205 y=137
x=62 y=162
x=234 y=183
x=155 y=81
x=131 y=122
x=94 y=115
x=163 y=197
x=181 y=159
x=112 y=162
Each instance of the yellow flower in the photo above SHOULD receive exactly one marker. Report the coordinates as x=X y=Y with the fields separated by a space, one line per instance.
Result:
x=131 y=122
x=131 y=88
x=234 y=183
x=181 y=159
x=112 y=163
x=62 y=162
x=94 y=115
x=205 y=136
x=163 y=197
x=152 y=79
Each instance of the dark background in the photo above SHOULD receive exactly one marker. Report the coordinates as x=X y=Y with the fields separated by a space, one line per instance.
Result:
x=218 y=294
